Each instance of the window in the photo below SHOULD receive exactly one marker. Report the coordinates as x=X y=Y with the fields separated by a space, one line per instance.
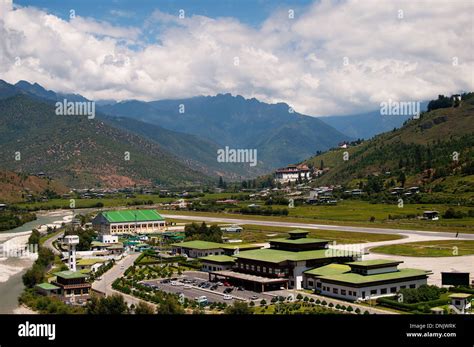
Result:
x=318 y=284
x=241 y=265
x=270 y=270
x=311 y=283
x=335 y=290
x=383 y=291
x=373 y=292
x=343 y=292
x=258 y=268
x=246 y=266
x=264 y=269
x=363 y=294
x=393 y=290
x=412 y=285
x=253 y=267
x=403 y=287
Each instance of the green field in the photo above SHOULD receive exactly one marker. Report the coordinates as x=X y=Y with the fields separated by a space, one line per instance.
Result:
x=446 y=248
x=358 y=213
x=256 y=233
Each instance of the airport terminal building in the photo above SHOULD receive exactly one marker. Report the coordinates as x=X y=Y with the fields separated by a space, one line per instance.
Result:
x=283 y=264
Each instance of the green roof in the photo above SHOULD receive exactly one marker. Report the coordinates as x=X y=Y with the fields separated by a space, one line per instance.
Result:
x=303 y=240
x=98 y=244
x=331 y=269
x=277 y=256
x=47 y=286
x=115 y=246
x=219 y=258
x=89 y=261
x=122 y=216
x=374 y=262
x=298 y=231
x=354 y=278
x=69 y=274
x=198 y=244
x=461 y=295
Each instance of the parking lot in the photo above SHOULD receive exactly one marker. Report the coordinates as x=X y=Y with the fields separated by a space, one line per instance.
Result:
x=193 y=284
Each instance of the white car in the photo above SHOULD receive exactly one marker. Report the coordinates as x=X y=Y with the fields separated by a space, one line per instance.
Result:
x=188 y=286
x=228 y=297
x=174 y=283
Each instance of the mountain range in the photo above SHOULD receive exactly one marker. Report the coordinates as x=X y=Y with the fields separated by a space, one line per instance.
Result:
x=172 y=141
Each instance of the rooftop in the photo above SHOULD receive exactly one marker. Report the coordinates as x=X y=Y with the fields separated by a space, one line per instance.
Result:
x=354 y=278
x=331 y=269
x=218 y=258
x=89 y=261
x=460 y=296
x=248 y=277
x=374 y=262
x=198 y=244
x=300 y=241
x=47 y=286
x=277 y=256
x=122 y=216
x=69 y=274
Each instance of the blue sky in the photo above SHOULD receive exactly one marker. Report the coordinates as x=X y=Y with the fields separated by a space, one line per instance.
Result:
x=134 y=12
x=331 y=57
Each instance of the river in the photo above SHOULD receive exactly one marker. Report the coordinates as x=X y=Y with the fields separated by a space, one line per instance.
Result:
x=12 y=268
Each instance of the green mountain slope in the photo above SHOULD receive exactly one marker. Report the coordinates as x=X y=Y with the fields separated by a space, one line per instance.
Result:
x=195 y=152
x=81 y=152
x=421 y=153
x=279 y=136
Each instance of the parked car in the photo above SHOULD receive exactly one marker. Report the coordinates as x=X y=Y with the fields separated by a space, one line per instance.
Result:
x=228 y=297
x=202 y=300
x=220 y=284
x=228 y=290
x=240 y=288
x=226 y=284
x=214 y=287
x=254 y=297
x=167 y=280
x=188 y=286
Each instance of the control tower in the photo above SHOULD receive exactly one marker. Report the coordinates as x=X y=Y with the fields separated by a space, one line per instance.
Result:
x=71 y=241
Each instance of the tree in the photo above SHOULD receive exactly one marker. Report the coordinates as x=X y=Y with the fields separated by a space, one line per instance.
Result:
x=239 y=308
x=144 y=308
x=402 y=178
x=33 y=276
x=114 y=304
x=170 y=306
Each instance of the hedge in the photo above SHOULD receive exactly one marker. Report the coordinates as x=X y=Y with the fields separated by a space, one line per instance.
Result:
x=419 y=306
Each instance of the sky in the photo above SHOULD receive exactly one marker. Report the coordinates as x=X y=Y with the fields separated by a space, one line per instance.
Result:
x=320 y=57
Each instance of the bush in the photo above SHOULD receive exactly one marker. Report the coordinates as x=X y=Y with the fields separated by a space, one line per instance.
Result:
x=324 y=303
x=357 y=310
x=350 y=309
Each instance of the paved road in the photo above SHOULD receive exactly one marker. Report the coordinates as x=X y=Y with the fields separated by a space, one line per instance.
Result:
x=49 y=242
x=104 y=285
x=434 y=234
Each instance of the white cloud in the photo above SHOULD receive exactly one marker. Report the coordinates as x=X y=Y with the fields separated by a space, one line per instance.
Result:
x=300 y=61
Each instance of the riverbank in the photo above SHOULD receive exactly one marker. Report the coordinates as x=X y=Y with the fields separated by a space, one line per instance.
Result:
x=13 y=266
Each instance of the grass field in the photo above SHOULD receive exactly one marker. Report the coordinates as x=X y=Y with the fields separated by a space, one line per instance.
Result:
x=358 y=213
x=255 y=233
x=447 y=248
x=347 y=212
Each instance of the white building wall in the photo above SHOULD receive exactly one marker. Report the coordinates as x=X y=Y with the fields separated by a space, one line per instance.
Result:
x=362 y=293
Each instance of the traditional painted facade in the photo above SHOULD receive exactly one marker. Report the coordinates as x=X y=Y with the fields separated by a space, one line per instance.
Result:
x=291 y=173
